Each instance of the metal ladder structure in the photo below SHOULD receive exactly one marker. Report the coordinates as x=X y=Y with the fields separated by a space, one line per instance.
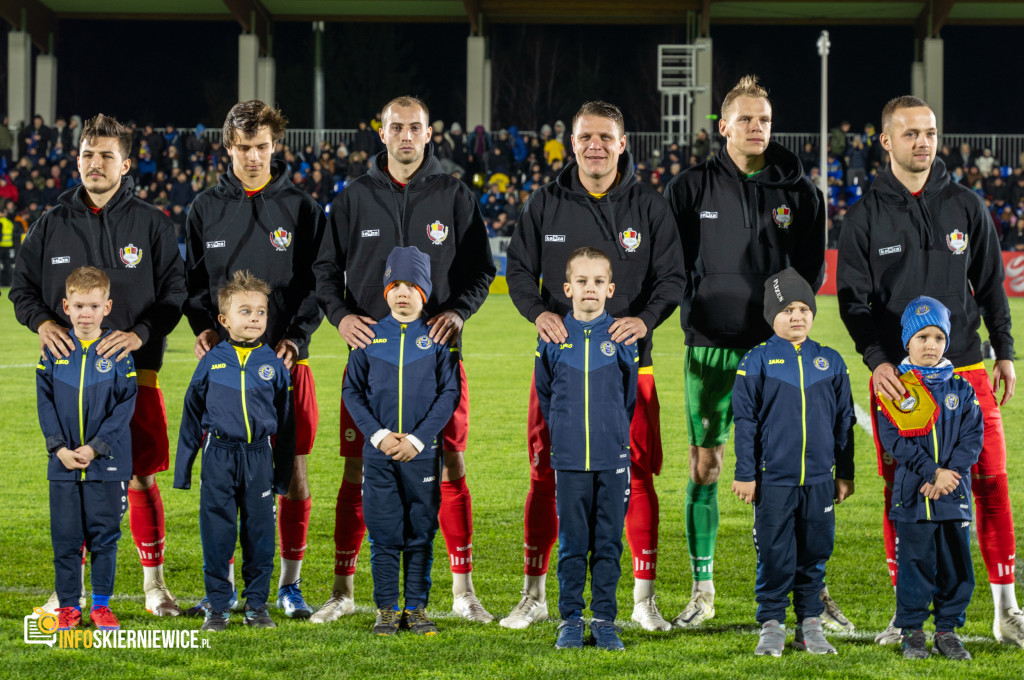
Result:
x=677 y=83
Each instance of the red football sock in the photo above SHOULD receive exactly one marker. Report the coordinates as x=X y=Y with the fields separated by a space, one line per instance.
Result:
x=349 y=528
x=995 y=527
x=146 y=517
x=889 y=535
x=456 y=519
x=642 y=525
x=293 y=526
x=541 y=525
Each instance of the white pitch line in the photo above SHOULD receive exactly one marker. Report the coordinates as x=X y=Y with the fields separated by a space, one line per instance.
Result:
x=863 y=419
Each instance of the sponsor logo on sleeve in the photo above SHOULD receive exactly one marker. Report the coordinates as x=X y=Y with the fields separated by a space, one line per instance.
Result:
x=890 y=250
x=62 y=259
x=709 y=214
x=554 y=238
x=215 y=244
x=370 y=233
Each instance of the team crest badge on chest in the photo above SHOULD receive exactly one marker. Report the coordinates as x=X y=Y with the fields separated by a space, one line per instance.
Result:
x=607 y=348
x=951 y=401
x=424 y=342
x=281 y=239
x=437 y=232
x=783 y=216
x=821 y=363
x=629 y=239
x=266 y=371
x=957 y=241
x=104 y=365
x=131 y=255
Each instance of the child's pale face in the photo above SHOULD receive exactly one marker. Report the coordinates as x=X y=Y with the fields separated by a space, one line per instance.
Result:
x=405 y=301
x=246 y=319
x=926 y=346
x=86 y=311
x=589 y=285
x=794 y=322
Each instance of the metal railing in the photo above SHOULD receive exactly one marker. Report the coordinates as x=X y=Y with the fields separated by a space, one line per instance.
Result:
x=1006 y=148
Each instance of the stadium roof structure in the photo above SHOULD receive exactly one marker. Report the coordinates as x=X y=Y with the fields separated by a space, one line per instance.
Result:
x=41 y=17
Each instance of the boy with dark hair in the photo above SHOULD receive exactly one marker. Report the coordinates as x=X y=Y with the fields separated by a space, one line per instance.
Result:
x=935 y=434
x=240 y=398
x=85 y=403
x=792 y=408
x=586 y=386
x=401 y=390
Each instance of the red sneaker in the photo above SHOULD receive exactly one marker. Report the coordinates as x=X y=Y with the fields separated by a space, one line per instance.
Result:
x=104 y=619
x=68 y=618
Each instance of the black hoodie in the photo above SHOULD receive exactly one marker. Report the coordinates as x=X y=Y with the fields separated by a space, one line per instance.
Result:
x=131 y=241
x=894 y=247
x=275 y=234
x=434 y=212
x=736 y=232
x=631 y=224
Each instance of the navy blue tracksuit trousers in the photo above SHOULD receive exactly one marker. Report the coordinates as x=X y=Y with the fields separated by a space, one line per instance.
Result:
x=90 y=513
x=794 y=533
x=238 y=480
x=591 y=512
x=933 y=561
x=400 y=505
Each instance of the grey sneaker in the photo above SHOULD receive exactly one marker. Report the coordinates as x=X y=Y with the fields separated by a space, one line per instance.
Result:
x=833 y=617
x=700 y=608
x=257 y=617
x=949 y=645
x=891 y=635
x=773 y=639
x=416 y=620
x=915 y=646
x=809 y=637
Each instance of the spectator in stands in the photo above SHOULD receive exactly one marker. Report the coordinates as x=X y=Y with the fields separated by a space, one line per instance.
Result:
x=460 y=153
x=809 y=157
x=36 y=135
x=6 y=140
x=357 y=164
x=499 y=160
x=60 y=134
x=195 y=142
x=966 y=158
x=997 y=188
x=986 y=163
x=479 y=144
x=318 y=187
x=1013 y=237
x=701 y=147
x=155 y=140
x=172 y=139
x=948 y=158
x=365 y=139
x=519 y=151
x=1016 y=187
x=876 y=156
x=857 y=163
x=50 y=192
x=554 y=151
x=181 y=192
x=75 y=127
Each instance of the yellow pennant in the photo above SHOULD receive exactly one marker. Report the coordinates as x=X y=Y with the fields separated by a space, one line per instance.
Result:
x=914 y=414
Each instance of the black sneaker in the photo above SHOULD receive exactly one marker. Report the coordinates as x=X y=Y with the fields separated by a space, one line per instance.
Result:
x=258 y=618
x=215 y=621
x=387 y=622
x=950 y=646
x=416 y=620
x=914 y=644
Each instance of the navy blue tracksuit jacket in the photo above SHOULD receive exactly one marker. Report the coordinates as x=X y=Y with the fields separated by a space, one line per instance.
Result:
x=793 y=412
x=586 y=387
x=85 y=399
x=403 y=382
x=239 y=397
x=933 y=555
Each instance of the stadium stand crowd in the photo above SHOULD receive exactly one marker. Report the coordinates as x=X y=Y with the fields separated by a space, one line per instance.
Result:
x=502 y=167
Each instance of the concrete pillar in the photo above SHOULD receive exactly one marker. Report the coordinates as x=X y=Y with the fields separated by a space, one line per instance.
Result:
x=933 y=77
x=248 y=57
x=477 y=82
x=917 y=79
x=488 y=94
x=702 y=100
x=266 y=80
x=19 y=79
x=46 y=87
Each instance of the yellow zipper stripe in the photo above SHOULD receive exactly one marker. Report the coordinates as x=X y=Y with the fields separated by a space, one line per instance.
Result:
x=586 y=393
x=935 y=445
x=401 y=371
x=803 y=419
x=81 y=392
x=245 y=410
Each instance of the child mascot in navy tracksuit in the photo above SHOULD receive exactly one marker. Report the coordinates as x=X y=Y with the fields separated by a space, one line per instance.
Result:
x=239 y=397
x=85 y=403
x=793 y=412
x=586 y=387
x=935 y=434
x=401 y=390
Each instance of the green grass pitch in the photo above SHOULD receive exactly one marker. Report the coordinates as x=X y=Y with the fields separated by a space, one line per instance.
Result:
x=499 y=348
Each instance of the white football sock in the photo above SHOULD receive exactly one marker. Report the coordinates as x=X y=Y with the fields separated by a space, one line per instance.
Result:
x=535 y=586
x=1004 y=597
x=704 y=586
x=643 y=588
x=291 y=571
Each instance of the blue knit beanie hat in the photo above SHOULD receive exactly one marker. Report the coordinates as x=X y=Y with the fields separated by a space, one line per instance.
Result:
x=408 y=264
x=924 y=311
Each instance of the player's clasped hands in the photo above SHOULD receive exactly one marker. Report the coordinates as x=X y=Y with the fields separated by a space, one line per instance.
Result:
x=77 y=459
x=944 y=483
x=398 y=447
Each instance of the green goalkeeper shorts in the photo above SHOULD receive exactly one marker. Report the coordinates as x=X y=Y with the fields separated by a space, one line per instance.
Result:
x=710 y=373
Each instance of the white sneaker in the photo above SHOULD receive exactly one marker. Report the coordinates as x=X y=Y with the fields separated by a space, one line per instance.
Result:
x=700 y=609
x=1009 y=628
x=891 y=635
x=337 y=606
x=54 y=602
x=645 y=612
x=529 y=610
x=160 y=602
x=468 y=607
x=833 y=617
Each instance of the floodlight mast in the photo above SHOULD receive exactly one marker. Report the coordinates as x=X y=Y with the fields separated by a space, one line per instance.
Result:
x=823 y=45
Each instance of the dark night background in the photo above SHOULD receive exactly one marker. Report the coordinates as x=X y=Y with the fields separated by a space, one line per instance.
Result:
x=185 y=72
